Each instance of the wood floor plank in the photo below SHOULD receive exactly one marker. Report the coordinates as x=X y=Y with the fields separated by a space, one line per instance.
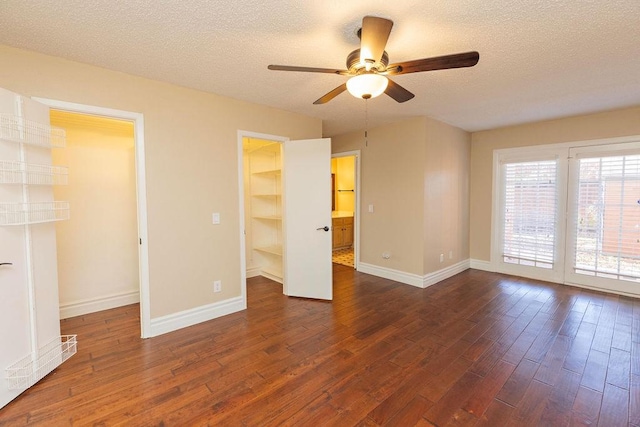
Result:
x=532 y=405
x=497 y=414
x=478 y=348
x=444 y=409
x=516 y=385
x=557 y=411
x=619 y=368
x=586 y=407
x=614 y=411
x=634 y=401
x=576 y=358
x=595 y=371
x=486 y=389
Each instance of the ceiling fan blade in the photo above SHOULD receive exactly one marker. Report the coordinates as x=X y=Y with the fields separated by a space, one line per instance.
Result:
x=329 y=96
x=306 y=69
x=397 y=92
x=458 y=60
x=373 y=38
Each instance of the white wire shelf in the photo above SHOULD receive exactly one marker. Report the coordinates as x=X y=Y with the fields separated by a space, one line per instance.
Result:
x=272 y=249
x=33 y=213
x=29 y=370
x=12 y=172
x=17 y=129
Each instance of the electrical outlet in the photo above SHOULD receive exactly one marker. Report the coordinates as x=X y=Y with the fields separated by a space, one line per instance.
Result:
x=217 y=286
x=441 y=257
x=386 y=255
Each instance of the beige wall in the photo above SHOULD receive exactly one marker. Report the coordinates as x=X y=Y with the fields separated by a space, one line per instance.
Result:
x=191 y=161
x=625 y=122
x=391 y=176
x=416 y=174
x=446 y=196
x=98 y=245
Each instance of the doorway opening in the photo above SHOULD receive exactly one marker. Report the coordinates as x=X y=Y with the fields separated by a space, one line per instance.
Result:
x=285 y=213
x=107 y=180
x=270 y=199
x=345 y=170
x=98 y=247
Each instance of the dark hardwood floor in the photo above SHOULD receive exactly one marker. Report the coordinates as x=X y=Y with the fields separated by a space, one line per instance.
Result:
x=479 y=349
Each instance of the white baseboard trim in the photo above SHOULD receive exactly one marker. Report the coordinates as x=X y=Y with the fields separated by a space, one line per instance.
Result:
x=388 y=273
x=173 y=322
x=479 y=264
x=78 y=308
x=253 y=272
x=445 y=273
x=414 y=279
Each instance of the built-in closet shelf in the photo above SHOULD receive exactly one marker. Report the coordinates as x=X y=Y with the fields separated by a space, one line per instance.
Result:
x=33 y=213
x=268 y=217
x=269 y=173
x=17 y=129
x=32 y=368
x=13 y=172
x=267 y=195
x=272 y=249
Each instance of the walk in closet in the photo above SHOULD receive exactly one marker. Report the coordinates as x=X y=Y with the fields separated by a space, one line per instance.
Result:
x=263 y=181
x=287 y=213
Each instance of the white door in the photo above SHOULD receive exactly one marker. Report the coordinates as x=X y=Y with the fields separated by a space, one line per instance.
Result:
x=29 y=315
x=306 y=184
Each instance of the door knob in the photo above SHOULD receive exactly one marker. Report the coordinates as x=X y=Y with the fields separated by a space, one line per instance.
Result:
x=325 y=228
x=6 y=263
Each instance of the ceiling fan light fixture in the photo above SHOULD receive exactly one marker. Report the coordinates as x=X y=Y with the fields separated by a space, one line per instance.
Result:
x=367 y=85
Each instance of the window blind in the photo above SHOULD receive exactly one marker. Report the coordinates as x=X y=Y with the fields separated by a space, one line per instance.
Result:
x=608 y=218
x=530 y=213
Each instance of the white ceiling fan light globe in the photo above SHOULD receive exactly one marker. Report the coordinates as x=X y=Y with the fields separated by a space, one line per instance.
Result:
x=367 y=85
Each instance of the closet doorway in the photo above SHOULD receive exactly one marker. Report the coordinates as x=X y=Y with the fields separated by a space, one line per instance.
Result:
x=97 y=247
x=345 y=172
x=102 y=250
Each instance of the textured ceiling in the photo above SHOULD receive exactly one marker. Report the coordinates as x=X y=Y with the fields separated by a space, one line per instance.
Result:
x=539 y=59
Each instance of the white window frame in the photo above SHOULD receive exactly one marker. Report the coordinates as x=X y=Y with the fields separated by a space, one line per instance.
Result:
x=522 y=155
x=576 y=279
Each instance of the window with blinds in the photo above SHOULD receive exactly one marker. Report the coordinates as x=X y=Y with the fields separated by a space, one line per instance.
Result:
x=530 y=213
x=607 y=225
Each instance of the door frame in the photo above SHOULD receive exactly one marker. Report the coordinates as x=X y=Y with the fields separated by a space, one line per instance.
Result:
x=141 y=192
x=356 y=213
x=241 y=208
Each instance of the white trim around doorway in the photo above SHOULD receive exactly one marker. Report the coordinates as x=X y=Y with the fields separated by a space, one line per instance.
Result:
x=138 y=120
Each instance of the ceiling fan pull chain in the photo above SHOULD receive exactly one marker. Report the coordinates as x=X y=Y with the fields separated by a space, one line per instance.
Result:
x=366 y=122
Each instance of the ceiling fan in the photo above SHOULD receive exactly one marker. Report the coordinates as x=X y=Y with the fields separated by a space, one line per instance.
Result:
x=369 y=68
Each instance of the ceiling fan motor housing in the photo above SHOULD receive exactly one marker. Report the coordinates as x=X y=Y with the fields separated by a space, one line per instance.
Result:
x=355 y=66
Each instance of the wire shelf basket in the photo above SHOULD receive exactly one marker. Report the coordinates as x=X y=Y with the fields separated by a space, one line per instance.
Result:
x=14 y=128
x=12 y=172
x=33 y=213
x=29 y=370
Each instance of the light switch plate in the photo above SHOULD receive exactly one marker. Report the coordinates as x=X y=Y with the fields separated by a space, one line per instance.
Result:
x=216 y=218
